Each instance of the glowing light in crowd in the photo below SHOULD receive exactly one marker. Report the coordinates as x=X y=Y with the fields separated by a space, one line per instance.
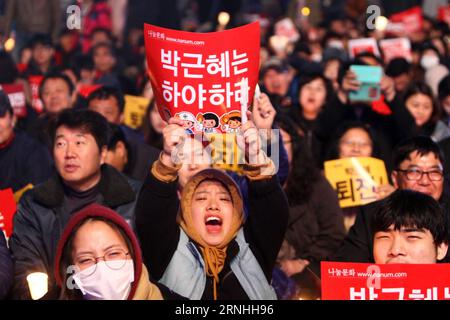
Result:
x=38 y=284
x=278 y=43
x=306 y=11
x=223 y=18
x=381 y=23
x=9 y=44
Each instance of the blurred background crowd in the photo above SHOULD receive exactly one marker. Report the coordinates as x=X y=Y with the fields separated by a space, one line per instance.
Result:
x=56 y=62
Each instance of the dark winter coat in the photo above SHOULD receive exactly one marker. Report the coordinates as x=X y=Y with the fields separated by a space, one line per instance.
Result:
x=315 y=229
x=24 y=161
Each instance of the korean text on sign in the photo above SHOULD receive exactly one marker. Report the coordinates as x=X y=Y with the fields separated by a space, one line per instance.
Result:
x=355 y=179
x=202 y=78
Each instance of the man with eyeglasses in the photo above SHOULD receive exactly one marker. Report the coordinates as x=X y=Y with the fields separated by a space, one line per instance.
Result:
x=418 y=164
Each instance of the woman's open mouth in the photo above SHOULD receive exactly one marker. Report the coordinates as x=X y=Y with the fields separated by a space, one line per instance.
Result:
x=213 y=224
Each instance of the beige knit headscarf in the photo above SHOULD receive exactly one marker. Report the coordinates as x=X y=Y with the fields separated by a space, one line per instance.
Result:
x=213 y=256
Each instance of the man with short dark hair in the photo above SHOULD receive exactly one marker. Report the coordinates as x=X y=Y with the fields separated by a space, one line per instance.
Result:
x=42 y=56
x=399 y=69
x=23 y=160
x=79 y=139
x=418 y=166
x=409 y=227
x=109 y=102
x=129 y=158
x=105 y=62
x=57 y=93
x=276 y=79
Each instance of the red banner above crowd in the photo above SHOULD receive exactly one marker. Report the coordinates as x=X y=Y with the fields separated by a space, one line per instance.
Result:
x=366 y=281
x=16 y=95
x=206 y=79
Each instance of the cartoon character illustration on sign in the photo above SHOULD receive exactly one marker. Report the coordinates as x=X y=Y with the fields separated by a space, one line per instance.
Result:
x=209 y=122
x=188 y=121
x=231 y=122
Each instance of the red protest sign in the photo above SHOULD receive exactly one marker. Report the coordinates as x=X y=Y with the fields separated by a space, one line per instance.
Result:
x=86 y=89
x=36 y=103
x=16 y=95
x=7 y=211
x=366 y=281
x=396 y=48
x=203 y=77
x=444 y=14
x=357 y=46
x=380 y=106
x=411 y=19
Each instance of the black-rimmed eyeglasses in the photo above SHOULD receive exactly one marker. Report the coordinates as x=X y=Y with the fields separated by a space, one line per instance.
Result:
x=417 y=174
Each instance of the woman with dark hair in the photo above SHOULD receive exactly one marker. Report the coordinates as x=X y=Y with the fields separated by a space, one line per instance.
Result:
x=315 y=92
x=353 y=139
x=429 y=56
x=423 y=108
x=98 y=258
x=315 y=227
x=391 y=123
x=152 y=126
x=357 y=139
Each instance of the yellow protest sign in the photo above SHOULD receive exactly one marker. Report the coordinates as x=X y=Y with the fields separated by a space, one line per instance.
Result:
x=355 y=179
x=225 y=153
x=134 y=112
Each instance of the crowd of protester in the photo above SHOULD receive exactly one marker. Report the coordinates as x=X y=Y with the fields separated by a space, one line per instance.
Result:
x=105 y=197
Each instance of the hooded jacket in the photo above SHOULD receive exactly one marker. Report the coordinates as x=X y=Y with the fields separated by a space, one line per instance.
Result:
x=176 y=259
x=41 y=218
x=142 y=288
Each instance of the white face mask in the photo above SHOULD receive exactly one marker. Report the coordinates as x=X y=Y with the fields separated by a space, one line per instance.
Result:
x=106 y=283
x=428 y=62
